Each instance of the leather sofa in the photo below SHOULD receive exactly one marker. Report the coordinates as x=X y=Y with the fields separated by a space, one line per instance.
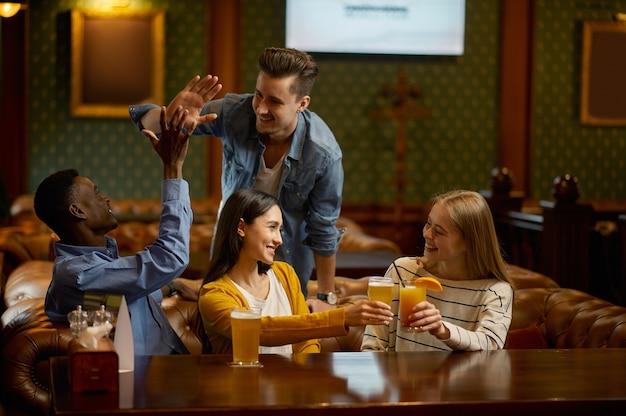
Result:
x=565 y=318
x=544 y=315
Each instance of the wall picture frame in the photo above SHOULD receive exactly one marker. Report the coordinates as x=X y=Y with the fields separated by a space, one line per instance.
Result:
x=603 y=84
x=117 y=59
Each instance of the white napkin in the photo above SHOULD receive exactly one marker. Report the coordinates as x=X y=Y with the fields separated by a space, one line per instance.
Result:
x=90 y=336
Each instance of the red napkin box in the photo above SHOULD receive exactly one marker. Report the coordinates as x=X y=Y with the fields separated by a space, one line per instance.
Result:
x=93 y=369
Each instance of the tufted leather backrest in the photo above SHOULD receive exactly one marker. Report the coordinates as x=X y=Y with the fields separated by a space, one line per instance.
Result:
x=28 y=343
x=184 y=317
x=523 y=278
x=568 y=318
x=356 y=239
x=29 y=280
x=14 y=253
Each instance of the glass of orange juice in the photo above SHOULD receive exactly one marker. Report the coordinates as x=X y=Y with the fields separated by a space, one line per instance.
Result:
x=380 y=288
x=412 y=293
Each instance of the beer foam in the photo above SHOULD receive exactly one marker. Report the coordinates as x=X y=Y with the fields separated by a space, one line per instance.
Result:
x=380 y=284
x=244 y=315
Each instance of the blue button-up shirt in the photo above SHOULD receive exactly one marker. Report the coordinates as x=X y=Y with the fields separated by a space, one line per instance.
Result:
x=81 y=269
x=310 y=186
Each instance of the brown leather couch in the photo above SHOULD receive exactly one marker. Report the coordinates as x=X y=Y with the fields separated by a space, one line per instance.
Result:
x=565 y=318
x=544 y=315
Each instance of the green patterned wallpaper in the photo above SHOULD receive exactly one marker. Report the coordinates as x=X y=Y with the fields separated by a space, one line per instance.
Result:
x=110 y=151
x=454 y=148
x=596 y=155
x=457 y=147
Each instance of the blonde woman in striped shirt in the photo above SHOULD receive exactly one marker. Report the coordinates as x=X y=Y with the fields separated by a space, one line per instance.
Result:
x=473 y=312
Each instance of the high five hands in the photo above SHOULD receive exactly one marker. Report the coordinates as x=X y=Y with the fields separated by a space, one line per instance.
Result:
x=193 y=97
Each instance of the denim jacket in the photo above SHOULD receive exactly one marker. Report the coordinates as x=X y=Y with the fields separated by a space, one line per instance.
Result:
x=311 y=185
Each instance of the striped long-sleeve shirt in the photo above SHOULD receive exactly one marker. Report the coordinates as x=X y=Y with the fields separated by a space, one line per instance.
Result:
x=477 y=313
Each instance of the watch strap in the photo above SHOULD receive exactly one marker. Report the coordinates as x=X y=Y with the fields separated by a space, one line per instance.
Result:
x=322 y=296
x=326 y=297
x=173 y=290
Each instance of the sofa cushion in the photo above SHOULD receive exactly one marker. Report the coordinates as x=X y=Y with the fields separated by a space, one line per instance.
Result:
x=525 y=338
x=569 y=318
x=184 y=317
x=28 y=342
x=15 y=311
x=524 y=278
x=29 y=280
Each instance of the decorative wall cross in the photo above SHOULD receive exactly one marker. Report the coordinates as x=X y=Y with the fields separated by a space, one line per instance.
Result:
x=403 y=106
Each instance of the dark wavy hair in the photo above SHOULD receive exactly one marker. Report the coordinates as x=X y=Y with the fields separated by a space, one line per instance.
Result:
x=54 y=196
x=246 y=205
x=286 y=62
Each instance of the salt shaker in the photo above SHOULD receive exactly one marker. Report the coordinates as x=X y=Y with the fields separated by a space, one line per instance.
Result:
x=79 y=320
x=102 y=316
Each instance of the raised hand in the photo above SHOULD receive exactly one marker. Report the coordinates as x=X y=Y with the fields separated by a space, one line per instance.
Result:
x=193 y=97
x=173 y=145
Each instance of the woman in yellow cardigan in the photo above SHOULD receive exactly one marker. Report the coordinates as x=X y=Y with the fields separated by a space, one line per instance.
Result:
x=242 y=272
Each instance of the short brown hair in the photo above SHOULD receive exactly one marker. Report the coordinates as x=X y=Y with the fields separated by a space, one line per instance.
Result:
x=286 y=62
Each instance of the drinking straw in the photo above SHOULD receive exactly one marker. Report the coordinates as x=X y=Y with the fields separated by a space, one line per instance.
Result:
x=399 y=275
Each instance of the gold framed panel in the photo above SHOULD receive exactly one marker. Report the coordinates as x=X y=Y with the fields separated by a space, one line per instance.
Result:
x=117 y=60
x=603 y=84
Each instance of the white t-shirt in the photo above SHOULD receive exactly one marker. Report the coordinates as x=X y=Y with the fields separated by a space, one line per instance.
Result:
x=268 y=179
x=276 y=304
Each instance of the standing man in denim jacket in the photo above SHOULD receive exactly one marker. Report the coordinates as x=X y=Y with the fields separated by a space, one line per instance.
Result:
x=273 y=143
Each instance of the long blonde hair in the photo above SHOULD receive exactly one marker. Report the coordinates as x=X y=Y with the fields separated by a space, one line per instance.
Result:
x=471 y=216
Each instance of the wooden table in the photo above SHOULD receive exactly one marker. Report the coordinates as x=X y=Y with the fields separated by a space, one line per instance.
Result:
x=505 y=382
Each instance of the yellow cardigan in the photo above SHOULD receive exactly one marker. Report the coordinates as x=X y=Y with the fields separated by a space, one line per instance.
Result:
x=302 y=329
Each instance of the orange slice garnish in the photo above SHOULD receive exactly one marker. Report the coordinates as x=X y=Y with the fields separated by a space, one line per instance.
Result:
x=430 y=283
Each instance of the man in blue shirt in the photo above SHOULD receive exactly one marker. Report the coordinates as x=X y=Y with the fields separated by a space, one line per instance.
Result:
x=273 y=143
x=87 y=260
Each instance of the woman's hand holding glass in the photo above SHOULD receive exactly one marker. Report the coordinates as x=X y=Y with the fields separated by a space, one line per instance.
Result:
x=425 y=317
x=415 y=312
x=368 y=312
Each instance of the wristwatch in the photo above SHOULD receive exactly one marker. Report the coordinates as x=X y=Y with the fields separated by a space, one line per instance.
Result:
x=173 y=290
x=330 y=297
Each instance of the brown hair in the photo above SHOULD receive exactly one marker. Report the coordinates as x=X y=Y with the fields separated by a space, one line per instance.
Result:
x=471 y=216
x=286 y=62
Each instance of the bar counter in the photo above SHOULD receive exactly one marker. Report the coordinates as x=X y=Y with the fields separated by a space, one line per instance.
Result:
x=514 y=382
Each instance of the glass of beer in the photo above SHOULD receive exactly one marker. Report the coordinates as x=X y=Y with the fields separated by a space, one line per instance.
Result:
x=245 y=323
x=411 y=293
x=380 y=288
